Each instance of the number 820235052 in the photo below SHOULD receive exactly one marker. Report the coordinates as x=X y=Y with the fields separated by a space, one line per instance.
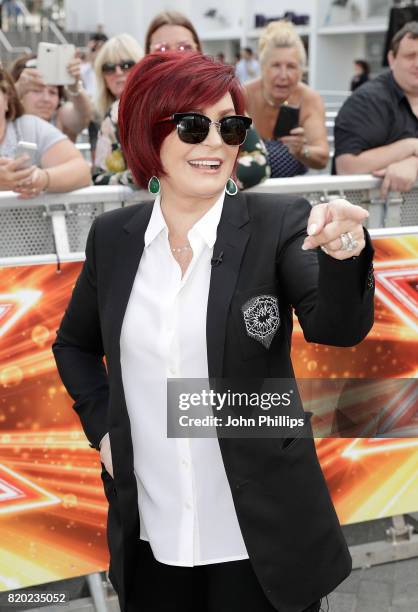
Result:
x=33 y=597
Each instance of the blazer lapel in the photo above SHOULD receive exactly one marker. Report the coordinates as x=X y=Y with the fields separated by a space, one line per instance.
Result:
x=126 y=262
x=231 y=241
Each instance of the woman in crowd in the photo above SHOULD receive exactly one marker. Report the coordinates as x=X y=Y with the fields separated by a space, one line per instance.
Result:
x=283 y=59
x=114 y=61
x=59 y=167
x=361 y=74
x=202 y=284
x=67 y=108
x=171 y=30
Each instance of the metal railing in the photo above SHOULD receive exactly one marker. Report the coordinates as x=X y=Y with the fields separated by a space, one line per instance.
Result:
x=32 y=28
x=56 y=222
x=9 y=52
x=59 y=222
x=361 y=189
x=333 y=100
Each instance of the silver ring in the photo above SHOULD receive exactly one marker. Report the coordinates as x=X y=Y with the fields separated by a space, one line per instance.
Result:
x=353 y=242
x=347 y=242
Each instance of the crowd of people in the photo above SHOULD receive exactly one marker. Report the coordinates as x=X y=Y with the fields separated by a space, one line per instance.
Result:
x=374 y=130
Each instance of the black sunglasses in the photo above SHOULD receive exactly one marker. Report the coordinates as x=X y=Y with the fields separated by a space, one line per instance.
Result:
x=193 y=128
x=124 y=65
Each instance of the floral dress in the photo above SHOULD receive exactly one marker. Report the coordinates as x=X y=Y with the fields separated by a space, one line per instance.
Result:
x=111 y=169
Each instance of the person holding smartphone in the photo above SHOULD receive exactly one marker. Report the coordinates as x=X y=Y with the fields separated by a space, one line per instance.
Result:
x=304 y=143
x=56 y=164
x=67 y=108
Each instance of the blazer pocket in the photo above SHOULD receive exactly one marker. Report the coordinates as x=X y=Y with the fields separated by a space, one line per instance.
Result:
x=289 y=443
x=108 y=484
x=257 y=317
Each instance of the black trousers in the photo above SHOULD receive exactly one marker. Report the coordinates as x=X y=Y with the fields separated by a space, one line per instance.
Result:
x=218 y=587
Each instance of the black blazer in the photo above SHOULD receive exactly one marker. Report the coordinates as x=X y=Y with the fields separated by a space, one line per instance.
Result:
x=287 y=519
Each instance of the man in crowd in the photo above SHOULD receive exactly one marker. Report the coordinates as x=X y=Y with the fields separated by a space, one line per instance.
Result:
x=376 y=130
x=248 y=68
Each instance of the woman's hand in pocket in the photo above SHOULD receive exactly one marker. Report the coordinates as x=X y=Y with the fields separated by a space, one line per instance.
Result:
x=106 y=454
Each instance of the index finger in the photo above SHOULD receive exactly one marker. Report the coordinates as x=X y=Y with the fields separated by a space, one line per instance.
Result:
x=385 y=186
x=32 y=72
x=318 y=218
x=297 y=131
x=289 y=139
x=342 y=210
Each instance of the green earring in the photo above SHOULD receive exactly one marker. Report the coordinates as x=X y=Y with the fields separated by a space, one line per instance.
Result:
x=231 y=187
x=154 y=185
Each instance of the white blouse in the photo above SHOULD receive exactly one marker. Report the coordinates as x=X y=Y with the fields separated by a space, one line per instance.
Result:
x=185 y=504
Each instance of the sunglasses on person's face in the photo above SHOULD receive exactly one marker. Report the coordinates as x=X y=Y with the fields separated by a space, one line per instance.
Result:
x=193 y=128
x=124 y=65
x=181 y=46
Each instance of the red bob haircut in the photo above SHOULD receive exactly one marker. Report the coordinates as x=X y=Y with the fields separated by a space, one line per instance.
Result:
x=158 y=86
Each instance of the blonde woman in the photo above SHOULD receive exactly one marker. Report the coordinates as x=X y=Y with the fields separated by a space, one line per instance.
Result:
x=283 y=61
x=113 y=63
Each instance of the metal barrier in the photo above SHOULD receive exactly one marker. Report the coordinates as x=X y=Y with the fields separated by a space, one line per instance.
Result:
x=334 y=99
x=56 y=222
x=361 y=189
x=59 y=222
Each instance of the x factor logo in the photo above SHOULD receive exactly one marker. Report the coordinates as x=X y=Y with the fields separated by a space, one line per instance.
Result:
x=397 y=288
x=8 y=491
x=14 y=305
x=18 y=493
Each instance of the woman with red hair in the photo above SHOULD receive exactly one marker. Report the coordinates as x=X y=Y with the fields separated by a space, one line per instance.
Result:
x=201 y=284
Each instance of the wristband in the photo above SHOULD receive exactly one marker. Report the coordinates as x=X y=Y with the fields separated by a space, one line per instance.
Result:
x=48 y=179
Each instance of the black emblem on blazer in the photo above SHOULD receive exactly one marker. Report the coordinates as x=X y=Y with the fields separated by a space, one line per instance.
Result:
x=261 y=318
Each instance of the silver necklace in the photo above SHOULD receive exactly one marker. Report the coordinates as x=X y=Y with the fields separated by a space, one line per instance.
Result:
x=181 y=249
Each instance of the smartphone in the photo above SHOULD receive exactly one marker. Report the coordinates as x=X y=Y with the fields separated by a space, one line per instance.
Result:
x=31 y=150
x=287 y=119
x=52 y=62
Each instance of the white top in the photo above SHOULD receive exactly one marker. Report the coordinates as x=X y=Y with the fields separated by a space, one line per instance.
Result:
x=30 y=128
x=185 y=503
